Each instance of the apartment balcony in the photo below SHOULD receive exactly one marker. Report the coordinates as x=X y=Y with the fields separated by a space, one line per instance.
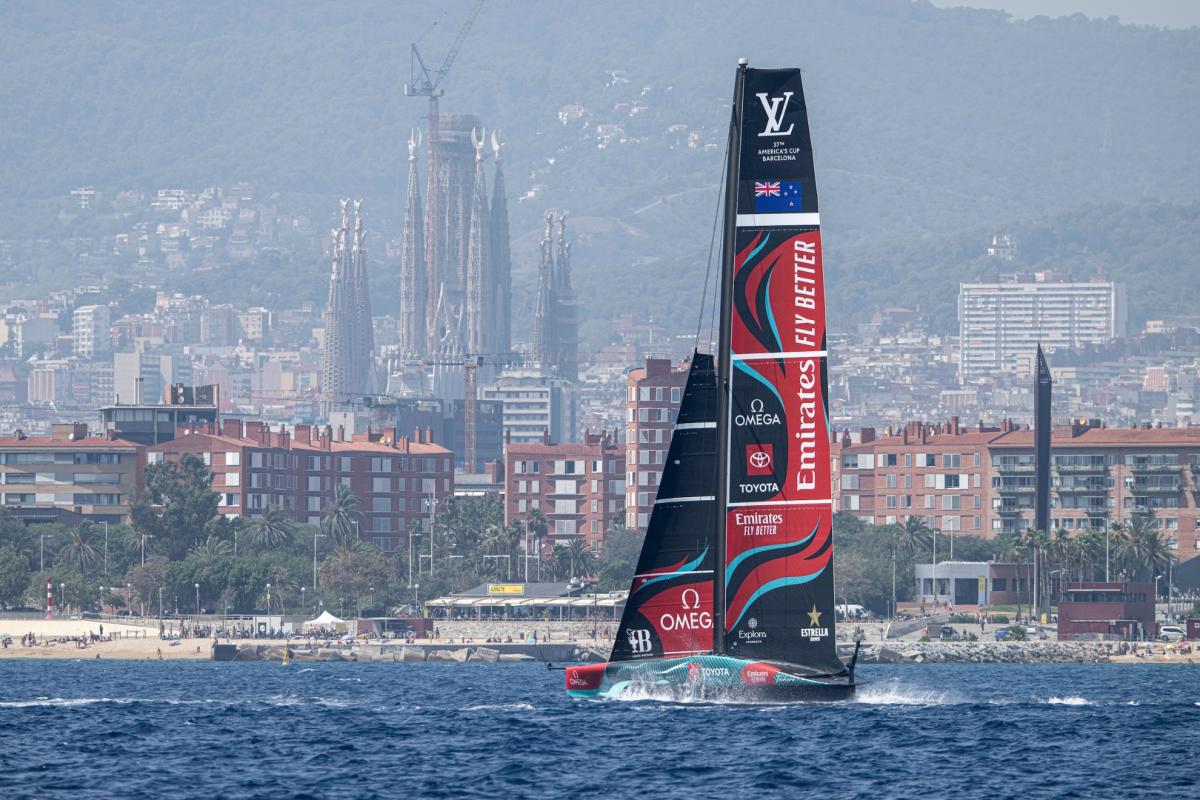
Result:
x=1155 y=468
x=1011 y=510
x=1016 y=489
x=1081 y=489
x=1081 y=469
x=1141 y=488
x=1014 y=469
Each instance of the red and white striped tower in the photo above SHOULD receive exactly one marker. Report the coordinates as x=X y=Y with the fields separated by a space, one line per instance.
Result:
x=49 y=597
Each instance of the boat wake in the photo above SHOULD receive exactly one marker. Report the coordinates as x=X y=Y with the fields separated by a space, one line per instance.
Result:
x=892 y=693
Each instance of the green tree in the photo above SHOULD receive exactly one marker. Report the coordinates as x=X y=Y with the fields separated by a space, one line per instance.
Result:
x=81 y=552
x=272 y=529
x=340 y=517
x=619 y=558
x=176 y=507
x=145 y=580
x=14 y=575
x=351 y=574
x=580 y=558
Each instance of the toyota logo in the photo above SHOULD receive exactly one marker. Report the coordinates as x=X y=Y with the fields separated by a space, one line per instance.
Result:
x=760 y=460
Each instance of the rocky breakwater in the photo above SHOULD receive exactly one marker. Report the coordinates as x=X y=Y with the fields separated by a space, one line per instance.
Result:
x=1034 y=652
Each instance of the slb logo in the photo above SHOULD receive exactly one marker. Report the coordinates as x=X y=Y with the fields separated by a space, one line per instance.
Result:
x=639 y=640
x=758 y=459
x=776 y=108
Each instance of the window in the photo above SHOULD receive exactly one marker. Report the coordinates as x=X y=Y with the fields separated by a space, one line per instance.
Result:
x=381 y=465
x=314 y=484
x=154 y=458
x=999 y=584
x=256 y=459
x=890 y=480
x=930 y=481
x=951 y=501
x=951 y=461
x=887 y=460
x=676 y=394
x=381 y=504
x=233 y=479
x=28 y=477
x=233 y=458
x=890 y=501
x=908 y=481
x=381 y=484
x=850 y=481
x=850 y=502
x=908 y=459
x=929 y=501
x=344 y=463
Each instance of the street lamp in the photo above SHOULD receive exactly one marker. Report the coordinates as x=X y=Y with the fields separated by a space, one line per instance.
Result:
x=302 y=606
x=268 y=599
x=197 y=599
x=315 y=537
x=160 y=603
x=62 y=598
x=411 y=536
x=415 y=603
x=145 y=536
x=105 y=524
x=42 y=551
x=101 y=588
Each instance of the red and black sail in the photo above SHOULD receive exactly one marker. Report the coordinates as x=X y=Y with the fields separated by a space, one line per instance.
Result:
x=669 y=609
x=777 y=575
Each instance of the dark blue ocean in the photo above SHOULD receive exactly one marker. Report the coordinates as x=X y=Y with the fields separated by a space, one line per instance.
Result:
x=91 y=729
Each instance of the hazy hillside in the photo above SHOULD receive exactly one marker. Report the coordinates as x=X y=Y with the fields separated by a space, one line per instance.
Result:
x=928 y=122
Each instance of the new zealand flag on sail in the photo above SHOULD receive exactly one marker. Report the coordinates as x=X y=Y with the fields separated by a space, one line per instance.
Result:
x=778 y=196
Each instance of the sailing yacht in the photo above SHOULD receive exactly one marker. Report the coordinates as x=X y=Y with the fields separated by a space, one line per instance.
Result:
x=733 y=596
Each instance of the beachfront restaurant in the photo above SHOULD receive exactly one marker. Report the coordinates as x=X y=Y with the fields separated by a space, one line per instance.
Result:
x=545 y=601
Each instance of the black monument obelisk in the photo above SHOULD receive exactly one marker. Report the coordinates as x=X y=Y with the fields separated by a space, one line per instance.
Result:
x=1041 y=432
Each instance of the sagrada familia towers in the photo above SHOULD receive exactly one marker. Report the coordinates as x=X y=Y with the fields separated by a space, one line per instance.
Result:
x=455 y=268
x=556 y=316
x=347 y=360
x=455 y=299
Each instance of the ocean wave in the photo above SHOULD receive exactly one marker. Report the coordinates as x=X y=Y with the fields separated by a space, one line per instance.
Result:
x=501 y=707
x=1070 y=701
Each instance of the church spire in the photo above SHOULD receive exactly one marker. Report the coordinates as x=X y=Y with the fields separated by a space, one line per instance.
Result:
x=364 y=332
x=414 y=331
x=478 y=244
x=501 y=258
x=543 y=315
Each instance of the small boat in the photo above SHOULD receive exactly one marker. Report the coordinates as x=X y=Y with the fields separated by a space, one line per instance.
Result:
x=732 y=597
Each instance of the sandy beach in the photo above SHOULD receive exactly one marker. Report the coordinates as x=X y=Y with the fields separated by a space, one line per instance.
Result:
x=128 y=641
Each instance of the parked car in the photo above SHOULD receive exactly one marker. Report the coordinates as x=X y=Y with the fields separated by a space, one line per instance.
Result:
x=1001 y=634
x=1170 y=633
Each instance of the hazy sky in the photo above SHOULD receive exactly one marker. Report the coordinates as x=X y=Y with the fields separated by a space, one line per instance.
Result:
x=1164 y=13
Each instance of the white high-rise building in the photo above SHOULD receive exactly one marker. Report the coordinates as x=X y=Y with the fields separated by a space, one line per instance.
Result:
x=90 y=326
x=1001 y=324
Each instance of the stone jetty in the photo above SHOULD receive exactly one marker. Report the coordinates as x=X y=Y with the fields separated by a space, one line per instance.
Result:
x=1033 y=652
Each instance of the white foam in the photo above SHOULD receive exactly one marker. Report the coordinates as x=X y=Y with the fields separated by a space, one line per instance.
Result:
x=1069 y=701
x=62 y=702
x=891 y=693
x=501 y=707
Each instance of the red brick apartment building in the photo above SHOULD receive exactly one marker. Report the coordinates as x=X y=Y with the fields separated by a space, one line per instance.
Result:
x=578 y=487
x=254 y=467
x=69 y=475
x=981 y=480
x=654 y=393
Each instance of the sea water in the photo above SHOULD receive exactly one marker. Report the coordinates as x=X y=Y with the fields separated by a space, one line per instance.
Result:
x=98 y=729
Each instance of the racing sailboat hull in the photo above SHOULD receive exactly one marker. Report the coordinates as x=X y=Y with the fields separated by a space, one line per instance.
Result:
x=706 y=678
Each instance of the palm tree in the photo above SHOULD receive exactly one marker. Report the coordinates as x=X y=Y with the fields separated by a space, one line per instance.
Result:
x=211 y=549
x=581 y=557
x=339 y=518
x=80 y=554
x=910 y=537
x=272 y=530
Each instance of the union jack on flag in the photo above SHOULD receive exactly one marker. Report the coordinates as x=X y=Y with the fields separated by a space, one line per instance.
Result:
x=766 y=188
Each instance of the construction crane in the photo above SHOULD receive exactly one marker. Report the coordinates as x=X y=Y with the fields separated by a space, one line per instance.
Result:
x=424 y=84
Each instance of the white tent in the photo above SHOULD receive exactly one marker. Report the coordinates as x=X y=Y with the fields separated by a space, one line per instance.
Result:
x=326 y=620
